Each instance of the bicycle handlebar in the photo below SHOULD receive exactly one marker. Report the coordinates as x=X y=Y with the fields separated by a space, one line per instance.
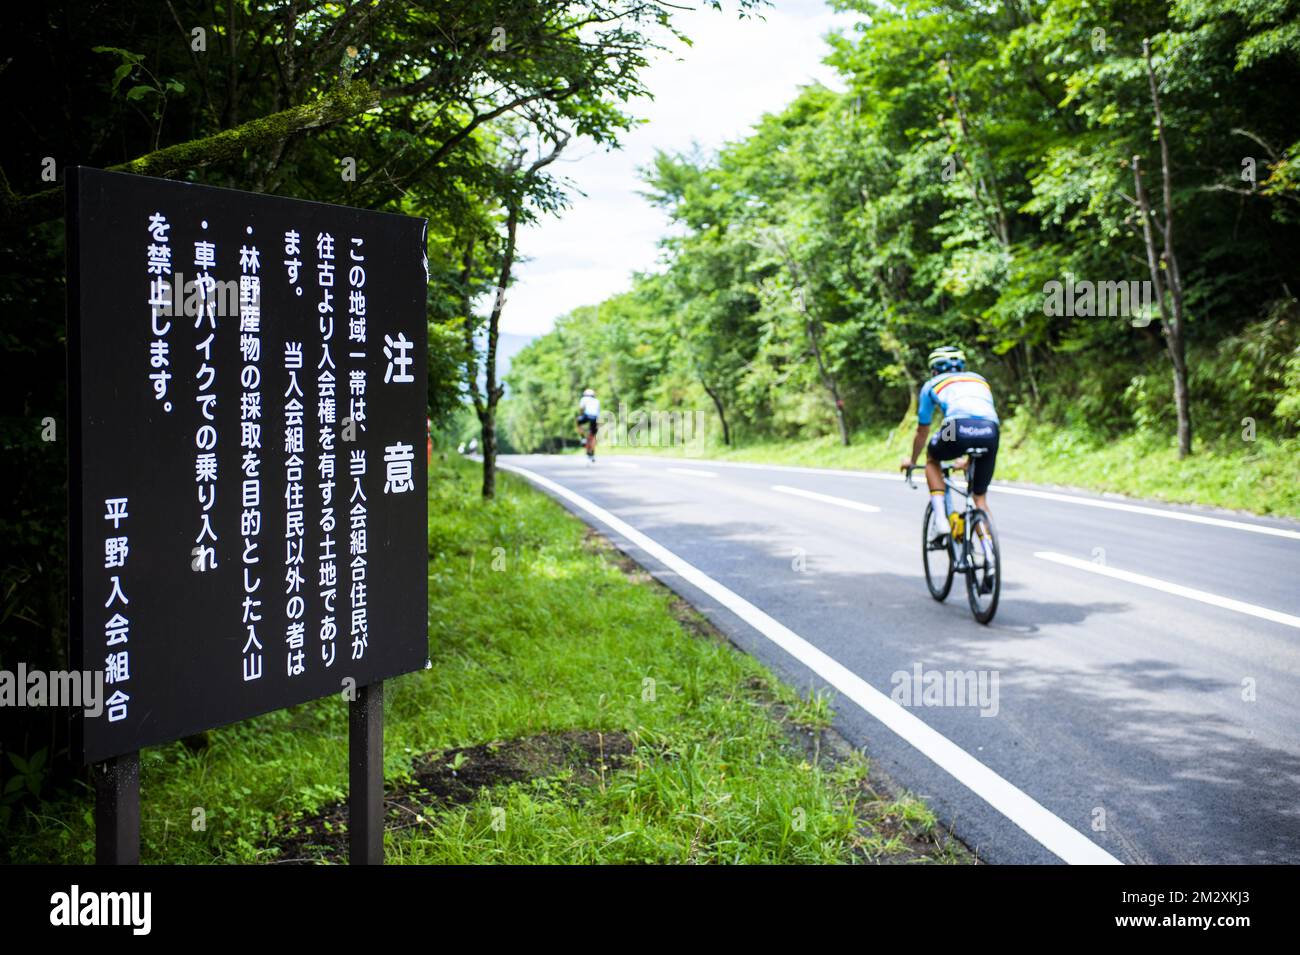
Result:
x=948 y=470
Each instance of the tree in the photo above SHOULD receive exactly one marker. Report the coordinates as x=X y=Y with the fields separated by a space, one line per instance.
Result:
x=1165 y=275
x=519 y=185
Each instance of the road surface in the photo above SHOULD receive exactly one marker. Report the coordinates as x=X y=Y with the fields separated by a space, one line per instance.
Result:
x=1146 y=707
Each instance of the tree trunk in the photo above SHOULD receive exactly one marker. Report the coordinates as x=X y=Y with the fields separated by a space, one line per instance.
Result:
x=1172 y=318
x=1170 y=325
x=492 y=390
x=1182 y=397
x=810 y=327
x=488 y=444
x=487 y=408
x=829 y=381
x=1029 y=368
x=895 y=348
x=722 y=414
x=909 y=417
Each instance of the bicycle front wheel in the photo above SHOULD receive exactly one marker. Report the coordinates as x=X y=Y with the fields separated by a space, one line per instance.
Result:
x=937 y=558
x=983 y=567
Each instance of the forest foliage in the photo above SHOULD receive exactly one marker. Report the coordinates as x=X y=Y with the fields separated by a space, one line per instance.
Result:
x=976 y=154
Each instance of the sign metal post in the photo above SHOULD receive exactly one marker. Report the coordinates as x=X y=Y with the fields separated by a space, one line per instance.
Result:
x=117 y=810
x=366 y=776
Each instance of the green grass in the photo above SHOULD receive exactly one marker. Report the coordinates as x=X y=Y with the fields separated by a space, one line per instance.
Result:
x=534 y=629
x=1257 y=476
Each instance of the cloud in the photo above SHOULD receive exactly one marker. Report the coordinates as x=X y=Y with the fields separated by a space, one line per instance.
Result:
x=708 y=93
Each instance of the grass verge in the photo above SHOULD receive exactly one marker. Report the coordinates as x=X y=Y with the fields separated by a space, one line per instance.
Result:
x=1258 y=476
x=576 y=712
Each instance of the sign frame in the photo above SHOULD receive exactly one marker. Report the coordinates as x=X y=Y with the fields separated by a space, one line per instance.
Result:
x=116 y=767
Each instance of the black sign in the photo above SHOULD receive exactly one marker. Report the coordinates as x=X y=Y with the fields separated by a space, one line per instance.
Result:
x=247 y=401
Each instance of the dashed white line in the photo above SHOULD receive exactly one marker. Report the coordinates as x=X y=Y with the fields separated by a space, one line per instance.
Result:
x=1179 y=590
x=827 y=498
x=694 y=472
x=1048 y=829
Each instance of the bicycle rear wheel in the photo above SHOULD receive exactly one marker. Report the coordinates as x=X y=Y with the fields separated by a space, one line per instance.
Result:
x=937 y=559
x=984 y=568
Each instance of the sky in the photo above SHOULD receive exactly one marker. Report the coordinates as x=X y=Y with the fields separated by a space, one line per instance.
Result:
x=706 y=94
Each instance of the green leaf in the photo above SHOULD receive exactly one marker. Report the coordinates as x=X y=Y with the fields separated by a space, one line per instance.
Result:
x=126 y=55
x=139 y=92
x=121 y=73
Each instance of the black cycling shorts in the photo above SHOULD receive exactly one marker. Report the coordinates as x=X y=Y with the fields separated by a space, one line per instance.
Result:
x=587 y=419
x=970 y=433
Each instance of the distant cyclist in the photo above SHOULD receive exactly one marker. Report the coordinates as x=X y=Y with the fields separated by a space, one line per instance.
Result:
x=969 y=421
x=589 y=415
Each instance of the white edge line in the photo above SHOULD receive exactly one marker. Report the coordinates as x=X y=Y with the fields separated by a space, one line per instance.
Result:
x=1151 y=511
x=827 y=498
x=1179 y=590
x=1045 y=827
x=1030 y=492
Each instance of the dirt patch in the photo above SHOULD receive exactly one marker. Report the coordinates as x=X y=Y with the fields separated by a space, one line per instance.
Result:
x=596 y=543
x=454 y=777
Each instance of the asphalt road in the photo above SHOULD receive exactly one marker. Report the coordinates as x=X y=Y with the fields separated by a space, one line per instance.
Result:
x=1156 y=716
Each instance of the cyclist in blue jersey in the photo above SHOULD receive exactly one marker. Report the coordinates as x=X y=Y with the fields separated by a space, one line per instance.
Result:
x=969 y=421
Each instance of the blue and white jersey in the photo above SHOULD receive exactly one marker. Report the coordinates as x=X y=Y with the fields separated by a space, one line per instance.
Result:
x=959 y=394
x=590 y=406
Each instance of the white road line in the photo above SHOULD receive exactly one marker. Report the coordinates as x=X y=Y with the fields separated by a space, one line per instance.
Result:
x=827 y=498
x=694 y=473
x=1179 y=590
x=1045 y=495
x=623 y=464
x=1151 y=512
x=1040 y=823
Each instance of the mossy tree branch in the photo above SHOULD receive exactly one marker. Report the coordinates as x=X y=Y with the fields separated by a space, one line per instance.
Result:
x=343 y=102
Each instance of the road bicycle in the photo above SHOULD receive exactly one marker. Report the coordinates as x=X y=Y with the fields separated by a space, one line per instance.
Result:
x=587 y=434
x=961 y=548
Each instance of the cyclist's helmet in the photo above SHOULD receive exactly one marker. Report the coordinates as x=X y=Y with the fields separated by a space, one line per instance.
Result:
x=945 y=359
x=588 y=393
